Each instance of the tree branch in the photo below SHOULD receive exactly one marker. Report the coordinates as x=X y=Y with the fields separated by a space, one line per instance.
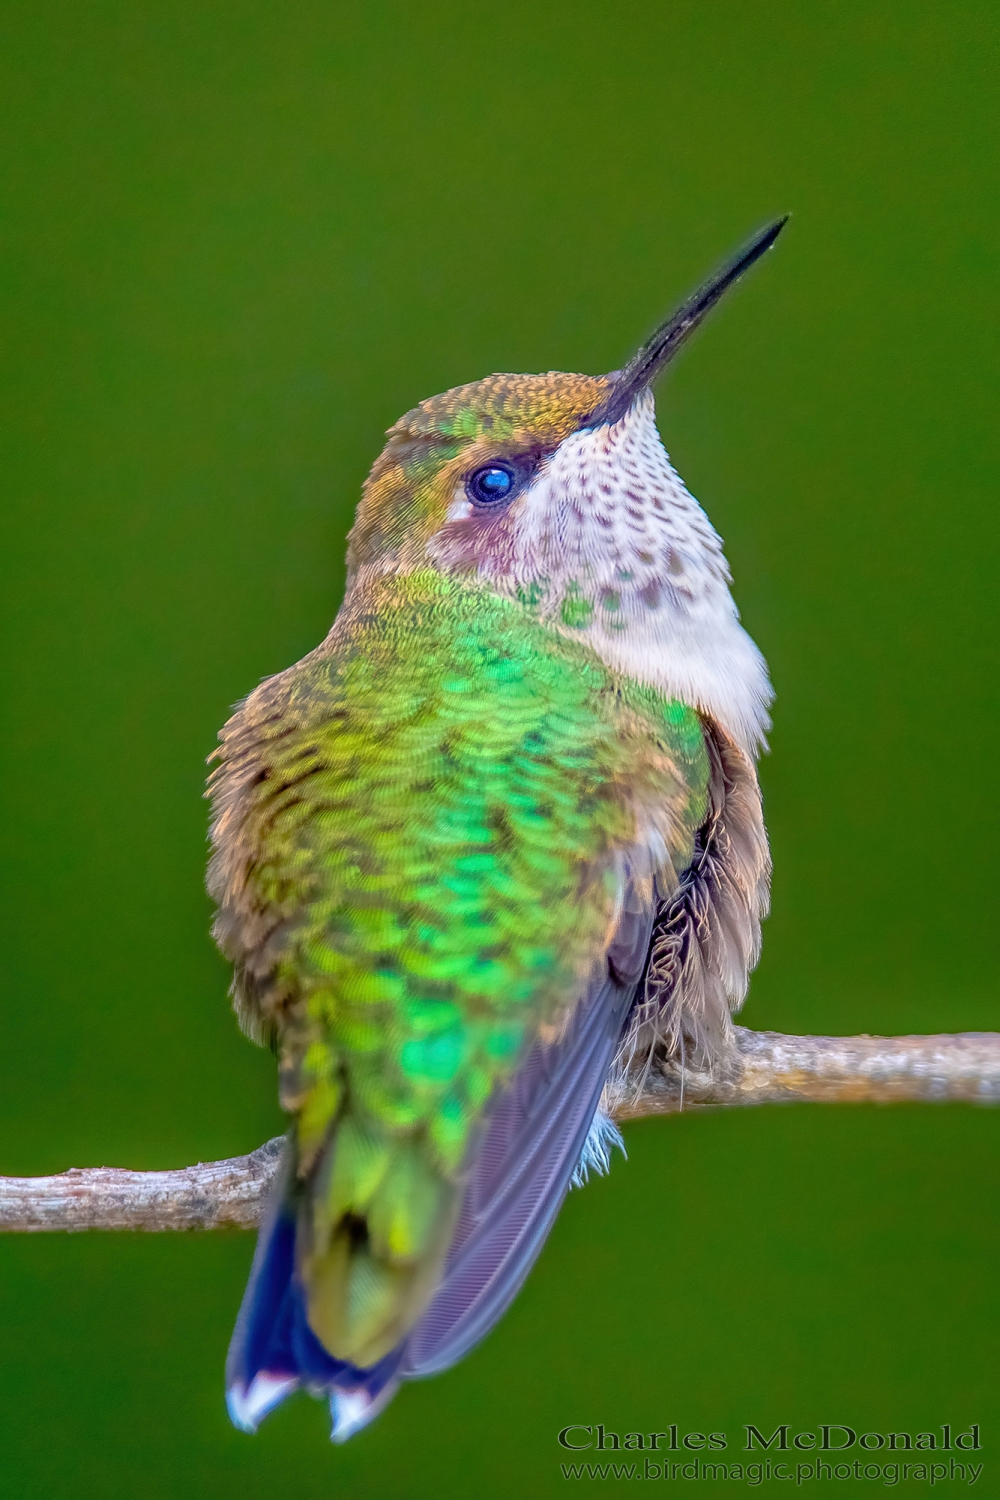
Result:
x=764 y=1067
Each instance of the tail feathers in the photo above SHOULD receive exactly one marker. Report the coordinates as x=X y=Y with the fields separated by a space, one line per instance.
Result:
x=249 y=1405
x=262 y=1340
x=274 y=1352
x=350 y=1411
x=532 y=1144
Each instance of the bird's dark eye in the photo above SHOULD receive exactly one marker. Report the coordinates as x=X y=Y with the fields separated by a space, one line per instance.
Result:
x=492 y=483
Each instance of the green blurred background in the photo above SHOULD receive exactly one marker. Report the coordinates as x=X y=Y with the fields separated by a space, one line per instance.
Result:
x=236 y=241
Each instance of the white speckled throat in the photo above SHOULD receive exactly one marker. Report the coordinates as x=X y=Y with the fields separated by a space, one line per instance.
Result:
x=613 y=549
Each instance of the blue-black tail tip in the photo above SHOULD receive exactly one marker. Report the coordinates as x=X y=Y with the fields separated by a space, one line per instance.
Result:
x=274 y=1352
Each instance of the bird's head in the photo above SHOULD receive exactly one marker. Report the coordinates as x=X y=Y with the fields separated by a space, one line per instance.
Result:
x=453 y=485
x=469 y=476
x=556 y=490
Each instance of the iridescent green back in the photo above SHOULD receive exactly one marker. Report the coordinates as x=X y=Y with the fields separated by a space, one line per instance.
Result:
x=420 y=842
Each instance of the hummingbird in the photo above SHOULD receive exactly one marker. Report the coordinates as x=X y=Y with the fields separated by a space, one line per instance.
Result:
x=477 y=856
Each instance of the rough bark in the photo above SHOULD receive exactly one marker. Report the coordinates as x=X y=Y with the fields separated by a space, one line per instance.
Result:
x=764 y=1067
x=211 y=1195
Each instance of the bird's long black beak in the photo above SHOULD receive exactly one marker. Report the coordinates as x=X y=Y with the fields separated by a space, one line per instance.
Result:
x=657 y=351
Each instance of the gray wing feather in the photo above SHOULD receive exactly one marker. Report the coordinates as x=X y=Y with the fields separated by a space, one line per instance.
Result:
x=524 y=1161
